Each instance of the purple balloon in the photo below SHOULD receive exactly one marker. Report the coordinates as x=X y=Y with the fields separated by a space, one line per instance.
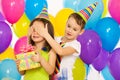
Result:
x=100 y=62
x=5 y=36
x=90 y=46
x=114 y=64
x=1 y=17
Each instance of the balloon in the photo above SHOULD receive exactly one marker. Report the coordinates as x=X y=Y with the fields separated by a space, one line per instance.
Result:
x=106 y=74
x=101 y=61
x=20 y=42
x=96 y=15
x=33 y=8
x=61 y=20
x=45 y=3
x=114 y=9
x=73 y=4
x=8 y=53
x=52 y=20
x=90 y=46
x=114 y=65
x=5 y=36
x=105 y=11
x=1 y=17
x=13 y=9
x=21 y=26
x=109 y=32
x=1 y=8
x=79 y=70
x=8 y=70
x=87 y=69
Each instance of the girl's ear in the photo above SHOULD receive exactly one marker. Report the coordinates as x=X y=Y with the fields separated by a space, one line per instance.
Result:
x=81 y=32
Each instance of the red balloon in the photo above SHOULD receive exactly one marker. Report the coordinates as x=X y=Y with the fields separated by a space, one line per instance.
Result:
x=20 y=42
x=13 y=9
x=114 y=9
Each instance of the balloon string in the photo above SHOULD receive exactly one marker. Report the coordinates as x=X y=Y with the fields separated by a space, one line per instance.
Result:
x=87 y=70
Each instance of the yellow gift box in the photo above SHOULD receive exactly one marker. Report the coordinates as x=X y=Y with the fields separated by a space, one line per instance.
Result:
x=25 y=61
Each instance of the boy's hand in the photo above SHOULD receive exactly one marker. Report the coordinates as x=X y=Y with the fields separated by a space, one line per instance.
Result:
x=43 y=31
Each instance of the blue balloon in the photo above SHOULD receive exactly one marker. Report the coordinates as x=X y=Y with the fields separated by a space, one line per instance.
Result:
x=34 y=7
x=106 y=74
x=95 y=16
x=109 y=32
x=8 y=70
x=73 y=4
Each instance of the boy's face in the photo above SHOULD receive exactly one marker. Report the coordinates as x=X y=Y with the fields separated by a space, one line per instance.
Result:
x=72 y=29
x=35 y=31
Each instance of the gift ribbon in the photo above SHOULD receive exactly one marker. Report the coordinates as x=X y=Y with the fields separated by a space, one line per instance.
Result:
x=27 y=48
x=26 y=60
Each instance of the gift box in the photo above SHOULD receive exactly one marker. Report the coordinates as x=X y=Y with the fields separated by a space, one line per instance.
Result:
x=25 y=61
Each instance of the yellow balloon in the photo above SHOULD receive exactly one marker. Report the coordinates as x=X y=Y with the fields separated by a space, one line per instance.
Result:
x=79 y=70
x=8 y=53
x=21 y=26
x=61 y=19
x=52 y=20
x=105 y=11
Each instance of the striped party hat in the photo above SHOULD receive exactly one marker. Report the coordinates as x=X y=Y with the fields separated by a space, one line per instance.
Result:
x=44 y=13
x=86 y=13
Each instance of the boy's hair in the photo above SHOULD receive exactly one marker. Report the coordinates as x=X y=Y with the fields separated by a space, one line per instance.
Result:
x=50 y=30
x=80 y=21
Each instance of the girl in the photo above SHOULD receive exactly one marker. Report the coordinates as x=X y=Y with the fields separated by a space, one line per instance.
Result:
x=44 y=55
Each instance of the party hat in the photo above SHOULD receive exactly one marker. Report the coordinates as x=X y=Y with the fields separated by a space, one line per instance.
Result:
x=86 y=13
x=44 y=13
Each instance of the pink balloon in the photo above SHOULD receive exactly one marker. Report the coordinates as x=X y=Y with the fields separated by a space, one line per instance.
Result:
x=20 y=42
x=114 y=9
x=13 y=9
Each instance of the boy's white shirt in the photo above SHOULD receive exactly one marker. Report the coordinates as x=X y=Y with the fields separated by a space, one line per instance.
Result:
x=67 y=62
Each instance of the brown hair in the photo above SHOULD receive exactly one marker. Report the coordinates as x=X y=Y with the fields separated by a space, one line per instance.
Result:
x=50 y=30
x=78 y=19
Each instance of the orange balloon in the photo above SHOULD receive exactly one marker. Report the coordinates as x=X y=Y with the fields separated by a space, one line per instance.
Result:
x=8 y=53
x=61 y=19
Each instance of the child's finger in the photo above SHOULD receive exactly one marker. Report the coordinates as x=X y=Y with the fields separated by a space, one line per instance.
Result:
x=46 y=27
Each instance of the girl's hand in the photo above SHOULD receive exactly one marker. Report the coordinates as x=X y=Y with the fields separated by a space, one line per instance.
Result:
x=36 y=57
x=17 y=63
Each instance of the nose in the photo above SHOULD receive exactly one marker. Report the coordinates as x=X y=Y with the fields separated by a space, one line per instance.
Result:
x=34 y=31
x=70 y=29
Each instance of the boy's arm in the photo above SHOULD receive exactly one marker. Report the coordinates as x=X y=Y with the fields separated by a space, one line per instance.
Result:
x=57 y=47
x=43 y=31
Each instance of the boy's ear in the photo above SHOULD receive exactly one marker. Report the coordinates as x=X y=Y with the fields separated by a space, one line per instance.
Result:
x=81 y=32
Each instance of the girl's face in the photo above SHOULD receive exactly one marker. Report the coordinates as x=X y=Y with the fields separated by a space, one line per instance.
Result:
x=72 y=29
x=35 y=36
